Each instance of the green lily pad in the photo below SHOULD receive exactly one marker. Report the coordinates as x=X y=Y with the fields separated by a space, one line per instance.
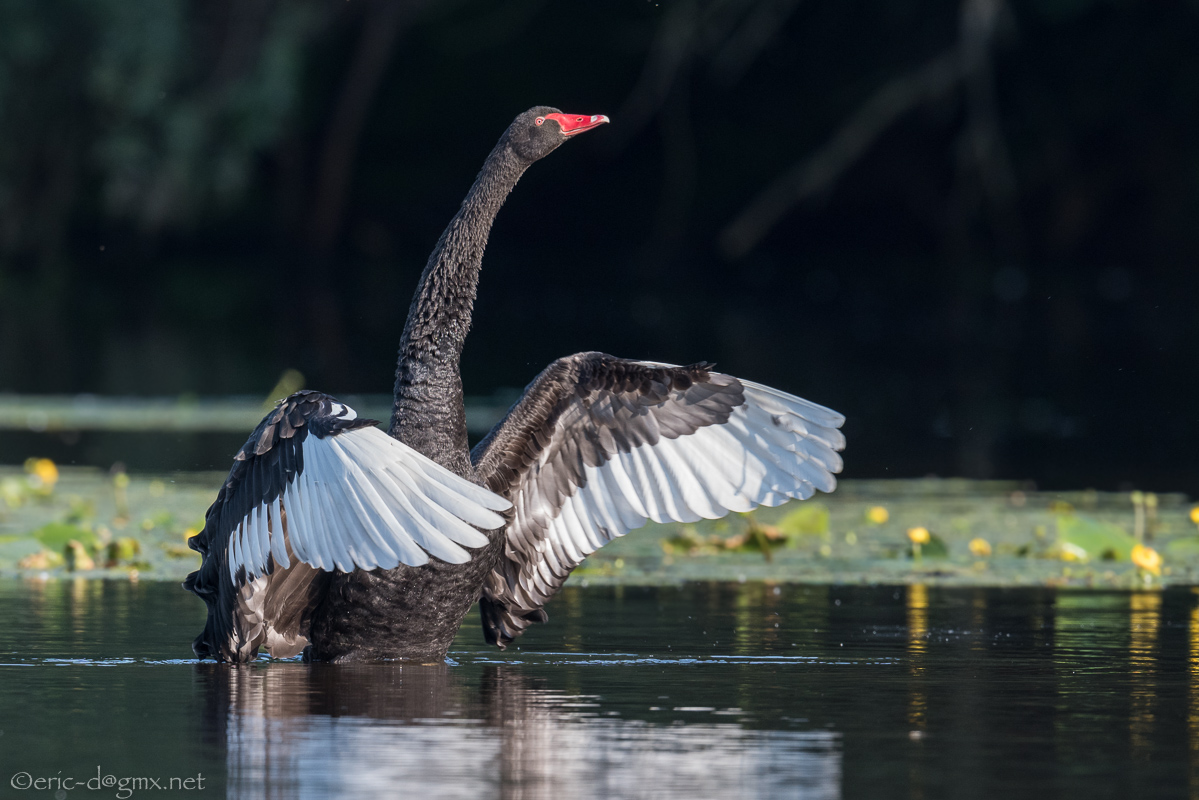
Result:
x=935 y=547
x=809 y=518
x=1097 y=540
x=1184 y=548
x=55 y=536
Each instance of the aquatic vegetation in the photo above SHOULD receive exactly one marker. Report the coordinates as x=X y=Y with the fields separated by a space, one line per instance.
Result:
x=1187 y=547
x=1067 y=551
x=125 y=549
x=12 y=491
x=808 y=518
x=57 y=535
x=686 y=540
x=877 y=515
x=1147 y=559
x=41 y=560
x=63 y=531
x=758 y=537
x=77 y=558
x=80 y=512
x=163 y=519
x=43 y=474
x=925 y=543
x=755 y=537
x=980 y=547
x=1034 y=538
x=1081 y=538
x=120 y=488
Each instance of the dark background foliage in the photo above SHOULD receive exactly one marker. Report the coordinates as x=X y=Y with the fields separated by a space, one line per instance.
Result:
x=970 y=226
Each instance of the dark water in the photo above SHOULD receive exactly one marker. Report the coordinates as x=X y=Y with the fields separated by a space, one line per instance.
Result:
x=716 y=690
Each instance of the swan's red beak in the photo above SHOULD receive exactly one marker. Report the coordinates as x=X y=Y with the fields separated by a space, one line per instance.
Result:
x=576 y=123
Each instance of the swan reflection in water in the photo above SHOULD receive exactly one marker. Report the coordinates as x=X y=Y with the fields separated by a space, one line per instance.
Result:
x=491 y=731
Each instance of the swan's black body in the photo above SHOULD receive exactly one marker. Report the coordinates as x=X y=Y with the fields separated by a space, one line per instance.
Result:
x=414 y=612
x=409 y=613
x=594 y=448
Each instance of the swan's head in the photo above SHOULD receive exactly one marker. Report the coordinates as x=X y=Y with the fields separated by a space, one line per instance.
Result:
x=537 y=132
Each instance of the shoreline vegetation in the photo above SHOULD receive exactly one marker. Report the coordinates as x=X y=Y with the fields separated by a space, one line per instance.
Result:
x=67 y=522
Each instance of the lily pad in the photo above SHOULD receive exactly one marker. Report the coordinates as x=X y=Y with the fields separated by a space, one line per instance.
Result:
x=808 y=518
x=935 y=547
x=1091 y=539
x=56 y=535
x=1184 y=548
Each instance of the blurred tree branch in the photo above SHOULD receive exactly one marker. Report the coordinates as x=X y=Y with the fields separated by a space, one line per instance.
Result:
x=967 y=61
x=734 y=57
x=383 y=22
x=821 y=169
x=728 y=34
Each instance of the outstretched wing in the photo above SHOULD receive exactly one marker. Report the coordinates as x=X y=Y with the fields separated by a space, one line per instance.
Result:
x=317 y=489
x=598 y=445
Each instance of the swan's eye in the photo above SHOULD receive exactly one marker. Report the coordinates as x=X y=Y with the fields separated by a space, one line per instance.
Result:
x=539 y=120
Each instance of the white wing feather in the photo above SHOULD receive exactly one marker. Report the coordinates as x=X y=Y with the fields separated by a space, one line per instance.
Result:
x=365 y=500
x=774 y=448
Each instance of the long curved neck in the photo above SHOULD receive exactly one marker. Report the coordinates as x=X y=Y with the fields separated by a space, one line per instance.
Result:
x=428 y=414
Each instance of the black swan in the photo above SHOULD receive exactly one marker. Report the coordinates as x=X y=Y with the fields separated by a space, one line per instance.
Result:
x=336 y=539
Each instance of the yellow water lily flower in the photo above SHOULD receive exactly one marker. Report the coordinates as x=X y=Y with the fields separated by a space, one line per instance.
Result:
x=919 y=535
x=43 y=474
x=878 y=515
x=44 y=468
x=980 y=547
x=1147 y=559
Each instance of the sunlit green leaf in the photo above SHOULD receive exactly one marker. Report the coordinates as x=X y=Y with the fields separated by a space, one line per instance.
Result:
x=55 y=536
x=935 y=547
x=808 y=518
x=1097 y=540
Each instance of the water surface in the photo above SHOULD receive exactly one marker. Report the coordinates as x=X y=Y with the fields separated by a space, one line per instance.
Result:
x=709 y=690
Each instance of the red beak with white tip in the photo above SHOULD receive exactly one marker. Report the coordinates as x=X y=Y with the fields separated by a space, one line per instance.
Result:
x=572 y=124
